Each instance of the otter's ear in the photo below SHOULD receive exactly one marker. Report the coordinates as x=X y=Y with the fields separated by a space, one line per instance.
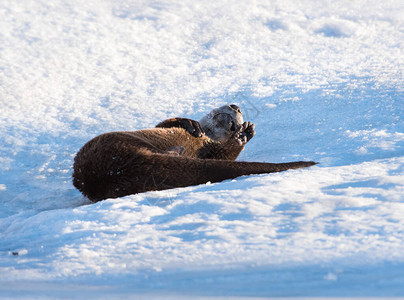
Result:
x=192 y=126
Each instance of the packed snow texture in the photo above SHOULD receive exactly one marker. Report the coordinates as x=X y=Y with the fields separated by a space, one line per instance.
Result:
x=322 y=80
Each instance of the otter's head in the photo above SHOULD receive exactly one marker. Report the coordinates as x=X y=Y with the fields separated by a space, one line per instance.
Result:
x=222 y=122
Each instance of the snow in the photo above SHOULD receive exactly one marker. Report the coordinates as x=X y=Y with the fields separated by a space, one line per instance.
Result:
x=321 y=80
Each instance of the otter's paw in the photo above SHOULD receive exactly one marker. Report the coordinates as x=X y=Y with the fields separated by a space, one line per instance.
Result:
x=249 y=130
x=245 y=133
x=192 y=126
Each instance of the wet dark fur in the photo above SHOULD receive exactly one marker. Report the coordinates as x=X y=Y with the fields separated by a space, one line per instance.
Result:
x=122 y=163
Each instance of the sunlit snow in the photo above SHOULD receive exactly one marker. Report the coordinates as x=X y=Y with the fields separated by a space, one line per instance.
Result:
x=322 y=81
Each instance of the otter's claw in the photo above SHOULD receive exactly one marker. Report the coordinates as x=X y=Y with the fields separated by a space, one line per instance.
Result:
x=249 y=131
x=175 y=151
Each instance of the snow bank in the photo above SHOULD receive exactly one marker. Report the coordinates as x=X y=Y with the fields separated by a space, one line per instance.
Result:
x=321 y=81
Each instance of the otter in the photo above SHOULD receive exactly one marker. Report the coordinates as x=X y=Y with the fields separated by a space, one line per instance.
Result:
x=178 y=152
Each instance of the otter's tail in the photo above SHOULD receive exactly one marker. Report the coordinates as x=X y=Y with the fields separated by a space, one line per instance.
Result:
x=174 y=171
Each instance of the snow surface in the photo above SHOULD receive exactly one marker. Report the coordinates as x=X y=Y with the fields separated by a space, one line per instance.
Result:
x=322 y=80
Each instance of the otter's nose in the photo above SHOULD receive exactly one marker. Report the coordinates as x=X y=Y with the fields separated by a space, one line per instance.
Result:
x=235 y=107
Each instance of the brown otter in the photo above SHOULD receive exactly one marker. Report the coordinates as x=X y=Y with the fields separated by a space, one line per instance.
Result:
x=179 y=152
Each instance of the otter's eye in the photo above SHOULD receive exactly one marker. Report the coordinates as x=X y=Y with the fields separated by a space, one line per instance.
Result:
x=233 y=126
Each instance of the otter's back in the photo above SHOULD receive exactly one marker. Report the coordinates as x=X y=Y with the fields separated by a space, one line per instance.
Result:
x=164 y=138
